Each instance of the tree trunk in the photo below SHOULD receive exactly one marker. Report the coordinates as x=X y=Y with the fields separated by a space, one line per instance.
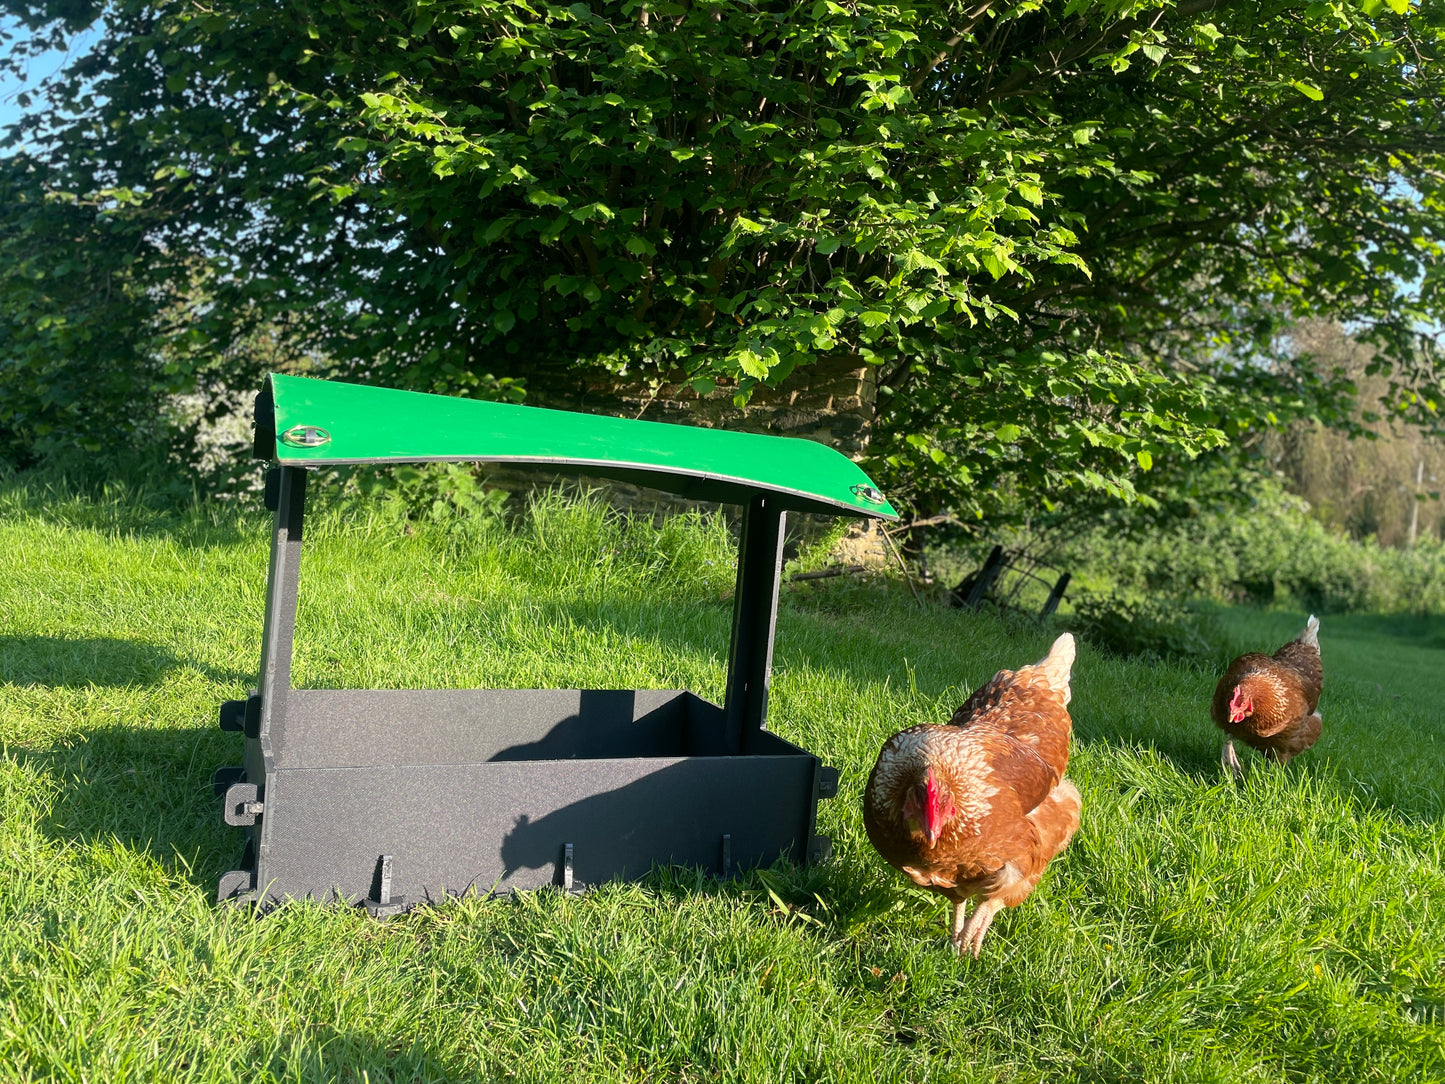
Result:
x=1415 y=500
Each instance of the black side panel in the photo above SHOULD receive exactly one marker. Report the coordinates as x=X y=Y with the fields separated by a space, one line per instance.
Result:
x=504 y=826
x=282 y=581
x=338 y=728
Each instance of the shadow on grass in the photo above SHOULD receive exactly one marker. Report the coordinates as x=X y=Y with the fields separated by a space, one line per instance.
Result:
x=146 y=790
x=78 y=662
x=1389 y=778
x=1251 y=627
x=837 y=899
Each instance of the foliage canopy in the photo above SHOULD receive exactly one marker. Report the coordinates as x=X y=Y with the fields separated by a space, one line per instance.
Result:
x=1067 y=234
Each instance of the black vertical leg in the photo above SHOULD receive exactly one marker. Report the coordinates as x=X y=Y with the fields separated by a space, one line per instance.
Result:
x=755 y=614
x=263 y=714
x=286 y=496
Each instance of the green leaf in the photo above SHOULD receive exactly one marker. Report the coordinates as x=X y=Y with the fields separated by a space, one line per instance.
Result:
x=751 y=363
x=1207 y=35
x=1309 y=90
x=996 y=265
x=593 y=210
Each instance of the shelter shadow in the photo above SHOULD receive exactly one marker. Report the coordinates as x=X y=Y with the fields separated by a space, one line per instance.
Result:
x=77 y=662
x=147 y=790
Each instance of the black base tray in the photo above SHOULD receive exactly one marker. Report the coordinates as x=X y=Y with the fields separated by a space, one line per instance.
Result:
x=450 y=791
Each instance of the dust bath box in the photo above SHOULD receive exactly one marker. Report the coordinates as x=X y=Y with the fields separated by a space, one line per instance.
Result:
x=395 y=797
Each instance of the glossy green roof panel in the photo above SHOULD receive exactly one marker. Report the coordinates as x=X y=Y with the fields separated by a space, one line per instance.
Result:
x=305 y=422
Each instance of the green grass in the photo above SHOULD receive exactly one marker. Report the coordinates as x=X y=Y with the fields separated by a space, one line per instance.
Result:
x=1289 y=929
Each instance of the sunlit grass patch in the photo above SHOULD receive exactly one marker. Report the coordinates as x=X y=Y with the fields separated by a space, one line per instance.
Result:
x=1195 y=930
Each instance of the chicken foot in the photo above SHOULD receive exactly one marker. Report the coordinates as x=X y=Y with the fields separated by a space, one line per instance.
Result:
x=970 y=933
x=1230 y=759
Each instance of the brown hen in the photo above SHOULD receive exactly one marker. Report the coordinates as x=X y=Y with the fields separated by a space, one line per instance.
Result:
x=1269 y=701
x=977 y=808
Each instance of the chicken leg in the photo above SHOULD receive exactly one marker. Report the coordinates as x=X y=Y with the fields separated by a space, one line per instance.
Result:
x=1230 y=759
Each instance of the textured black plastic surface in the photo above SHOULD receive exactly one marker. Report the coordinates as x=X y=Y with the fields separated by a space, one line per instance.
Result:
x=484 y=789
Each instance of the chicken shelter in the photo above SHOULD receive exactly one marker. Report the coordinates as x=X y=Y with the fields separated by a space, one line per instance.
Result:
x=392 y=797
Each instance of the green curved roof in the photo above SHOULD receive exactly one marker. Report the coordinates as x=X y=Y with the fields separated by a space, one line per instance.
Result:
x=305 y=422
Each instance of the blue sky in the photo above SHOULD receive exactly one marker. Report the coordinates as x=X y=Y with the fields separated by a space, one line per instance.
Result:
x=40 y=68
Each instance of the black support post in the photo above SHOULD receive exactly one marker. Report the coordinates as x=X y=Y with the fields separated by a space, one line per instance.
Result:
x=755 y=615
x=1056 y=595
x=286 y=497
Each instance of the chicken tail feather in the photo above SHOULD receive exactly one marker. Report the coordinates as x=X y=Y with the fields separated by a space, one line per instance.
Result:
x=1310 y=636
x=1058 y=663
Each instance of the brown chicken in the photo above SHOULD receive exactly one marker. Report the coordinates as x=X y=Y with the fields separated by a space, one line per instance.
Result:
x=977 y=808
x=1268 y=701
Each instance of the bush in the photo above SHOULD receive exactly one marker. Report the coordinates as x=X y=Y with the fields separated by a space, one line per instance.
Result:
x=1154 y=628
x=1274 y=553
x=451 y=495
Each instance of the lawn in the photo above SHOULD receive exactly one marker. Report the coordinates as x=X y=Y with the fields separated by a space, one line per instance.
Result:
x=1290 y=928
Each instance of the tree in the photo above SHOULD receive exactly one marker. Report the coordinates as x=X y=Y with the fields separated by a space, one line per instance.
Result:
x=77 y=364
x=1067 y=234
x=1385 y=486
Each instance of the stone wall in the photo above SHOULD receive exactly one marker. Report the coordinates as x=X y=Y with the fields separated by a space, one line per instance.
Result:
x=831 y=402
